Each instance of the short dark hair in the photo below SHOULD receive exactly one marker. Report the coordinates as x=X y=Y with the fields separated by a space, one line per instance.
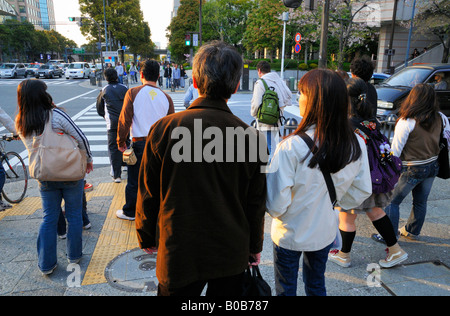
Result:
x=150 y=70
x=264 y=66
x=362 y=68
x=217 y=70
x=111 y=75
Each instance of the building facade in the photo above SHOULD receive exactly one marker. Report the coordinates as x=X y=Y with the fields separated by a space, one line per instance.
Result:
x=40 y=13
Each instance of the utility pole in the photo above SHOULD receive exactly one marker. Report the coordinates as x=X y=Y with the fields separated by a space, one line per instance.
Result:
x=391 y=42
x=285 y=18
x=106 y=30
x=324 y=35
x=200 y=25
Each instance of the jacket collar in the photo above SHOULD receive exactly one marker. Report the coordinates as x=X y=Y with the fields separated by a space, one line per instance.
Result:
x=203 y=103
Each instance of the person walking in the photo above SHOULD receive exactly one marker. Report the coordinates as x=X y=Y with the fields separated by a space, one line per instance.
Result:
x=168 y=75
x=8 y=123
x=133 y=72
x=416 y=142
x=361 y=119
x=204 y=215
x=142 y=107
x=176 y=76
x=298 y=199
x=109 y=105
x=120 y=72
x=272 y=79
x=182 y=76
x=362 y=67
x=34 y=107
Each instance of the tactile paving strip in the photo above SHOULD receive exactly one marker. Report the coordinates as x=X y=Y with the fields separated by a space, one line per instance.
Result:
x=25 y=208
x=116 y=236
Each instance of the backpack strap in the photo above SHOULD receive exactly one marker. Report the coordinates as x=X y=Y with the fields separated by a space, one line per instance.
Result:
x=326 y=175
x=266 y=87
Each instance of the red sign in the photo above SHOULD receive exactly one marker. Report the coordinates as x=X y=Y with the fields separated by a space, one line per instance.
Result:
x=298 y=48
x=298 y=37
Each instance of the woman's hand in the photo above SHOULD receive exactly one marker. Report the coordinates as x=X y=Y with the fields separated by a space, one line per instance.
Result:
x=89 y=167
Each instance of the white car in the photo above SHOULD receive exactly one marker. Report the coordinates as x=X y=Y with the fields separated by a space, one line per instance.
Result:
x=12 y=70
x=78 y=70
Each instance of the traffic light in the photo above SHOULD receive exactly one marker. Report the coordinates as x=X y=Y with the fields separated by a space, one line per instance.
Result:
x=292 y=3
x=72 y=19
x=188 y=39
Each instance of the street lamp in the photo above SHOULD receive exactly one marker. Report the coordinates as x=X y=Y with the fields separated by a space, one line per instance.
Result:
x=285 y=19
x=292 y=3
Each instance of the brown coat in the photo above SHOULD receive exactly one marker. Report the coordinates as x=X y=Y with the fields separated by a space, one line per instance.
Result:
x=205 y=217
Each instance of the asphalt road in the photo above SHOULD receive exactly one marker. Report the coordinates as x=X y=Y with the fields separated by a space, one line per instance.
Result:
x=78 y=99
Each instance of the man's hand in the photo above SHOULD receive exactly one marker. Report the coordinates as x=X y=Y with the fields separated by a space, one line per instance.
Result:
x=255 y=259
x=122 y=148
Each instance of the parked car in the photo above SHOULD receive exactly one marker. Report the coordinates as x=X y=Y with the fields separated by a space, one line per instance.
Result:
x=78 y=70
x=49 y=71
x=12 y=70
x=31 y=69
x=395 y=89
x=378 y=78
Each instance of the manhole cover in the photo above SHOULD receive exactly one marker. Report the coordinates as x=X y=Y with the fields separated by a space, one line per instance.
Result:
x=133 y=271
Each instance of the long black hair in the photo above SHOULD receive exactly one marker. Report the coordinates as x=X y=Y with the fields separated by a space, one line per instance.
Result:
x=34 y=104
x=327 y=110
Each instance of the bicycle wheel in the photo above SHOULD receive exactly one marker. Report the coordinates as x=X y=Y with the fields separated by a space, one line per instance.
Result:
x=16 y=178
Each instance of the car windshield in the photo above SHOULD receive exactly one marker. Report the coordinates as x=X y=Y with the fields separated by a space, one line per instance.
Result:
x=7 y=66
x=76 y=66
x=44 y=67
x=408 y=77
x=34 y=66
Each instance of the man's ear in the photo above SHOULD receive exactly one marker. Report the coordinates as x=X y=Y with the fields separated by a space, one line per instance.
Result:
x=237 y=88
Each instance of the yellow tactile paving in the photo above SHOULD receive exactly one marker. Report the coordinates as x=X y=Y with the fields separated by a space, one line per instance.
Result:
x=116 y=237
x=27 y=207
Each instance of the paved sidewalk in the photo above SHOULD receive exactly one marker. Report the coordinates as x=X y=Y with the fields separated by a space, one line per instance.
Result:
x=112 y=264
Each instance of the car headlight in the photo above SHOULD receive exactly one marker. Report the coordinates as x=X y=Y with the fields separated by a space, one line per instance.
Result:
x=385 y=105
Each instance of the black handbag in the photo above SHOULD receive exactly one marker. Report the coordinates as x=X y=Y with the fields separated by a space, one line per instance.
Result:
x=254 y=284
x=444 y=169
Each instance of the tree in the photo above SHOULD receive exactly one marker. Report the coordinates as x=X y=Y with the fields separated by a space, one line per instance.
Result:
x=264 y=26
x=434 y=17
x=184 y=23
x=125 y=23
x=226 y=20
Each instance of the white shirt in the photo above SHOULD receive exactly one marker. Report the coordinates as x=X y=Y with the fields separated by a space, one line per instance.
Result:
x=298 y=198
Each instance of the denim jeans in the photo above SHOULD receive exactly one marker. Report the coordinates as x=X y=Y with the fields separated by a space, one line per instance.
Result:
x=418 y=180
x=52 y=194
x=62 y=225
x=115 y=155
x=286 y=265
x=2 y=178
x=131 y=190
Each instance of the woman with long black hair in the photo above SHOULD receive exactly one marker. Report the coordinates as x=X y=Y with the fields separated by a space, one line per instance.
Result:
x=35 y=107
x=298 y=199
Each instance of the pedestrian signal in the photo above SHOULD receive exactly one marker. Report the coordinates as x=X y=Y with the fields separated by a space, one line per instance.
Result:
x=188 y=40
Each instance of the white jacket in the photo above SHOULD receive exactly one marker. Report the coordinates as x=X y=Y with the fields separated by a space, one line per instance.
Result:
x=298 y=199
x=284 y=95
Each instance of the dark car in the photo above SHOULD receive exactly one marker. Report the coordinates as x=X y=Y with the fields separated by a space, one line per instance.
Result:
x=395 y=89
x=49 y=71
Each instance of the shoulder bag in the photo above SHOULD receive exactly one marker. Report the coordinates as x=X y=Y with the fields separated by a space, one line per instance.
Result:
x=56 y=156
x=337 y=244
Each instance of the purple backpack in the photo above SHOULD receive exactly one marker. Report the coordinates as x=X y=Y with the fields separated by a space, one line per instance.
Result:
x=385 y=168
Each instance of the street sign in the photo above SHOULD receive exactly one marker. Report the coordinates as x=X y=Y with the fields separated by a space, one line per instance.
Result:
x=298 y=48
x=110 y=54
x=78 y=51
x=298 y=37
x=195 y=39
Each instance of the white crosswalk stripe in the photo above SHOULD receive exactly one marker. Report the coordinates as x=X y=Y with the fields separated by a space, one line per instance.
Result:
x=94 y=127
x=48 y=82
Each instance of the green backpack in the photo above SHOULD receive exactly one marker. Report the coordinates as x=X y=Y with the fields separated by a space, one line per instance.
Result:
x=269 y=110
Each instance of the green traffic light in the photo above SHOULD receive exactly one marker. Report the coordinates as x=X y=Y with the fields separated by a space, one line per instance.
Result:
x=188 y=43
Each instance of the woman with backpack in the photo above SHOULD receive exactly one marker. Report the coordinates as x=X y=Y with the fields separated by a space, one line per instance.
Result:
x=304 y=221
x=416 y=142
x=365 y=125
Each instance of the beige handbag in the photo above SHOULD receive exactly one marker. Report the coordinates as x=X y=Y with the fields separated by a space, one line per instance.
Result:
x=129 y=157
x=56 y=156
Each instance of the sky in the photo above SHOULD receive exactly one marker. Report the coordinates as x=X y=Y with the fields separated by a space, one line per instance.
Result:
x=156 y=12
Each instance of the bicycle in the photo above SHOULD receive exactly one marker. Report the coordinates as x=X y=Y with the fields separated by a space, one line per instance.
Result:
x=16 y=173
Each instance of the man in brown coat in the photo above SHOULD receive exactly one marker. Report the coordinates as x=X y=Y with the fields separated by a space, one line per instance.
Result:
x=202 y=192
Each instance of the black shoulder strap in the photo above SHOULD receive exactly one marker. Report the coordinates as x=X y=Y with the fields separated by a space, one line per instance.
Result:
x=326 y=175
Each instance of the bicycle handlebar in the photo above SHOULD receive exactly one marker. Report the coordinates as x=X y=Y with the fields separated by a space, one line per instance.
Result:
x=8 y=137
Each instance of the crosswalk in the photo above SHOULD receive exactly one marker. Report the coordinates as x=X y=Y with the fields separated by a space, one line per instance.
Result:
x=94 y=127
x=48 y=82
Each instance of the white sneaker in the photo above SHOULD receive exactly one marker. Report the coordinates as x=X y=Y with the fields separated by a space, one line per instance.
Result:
x=117 y=180
x=62 y=236
x=87 y=226
x=121 y=215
